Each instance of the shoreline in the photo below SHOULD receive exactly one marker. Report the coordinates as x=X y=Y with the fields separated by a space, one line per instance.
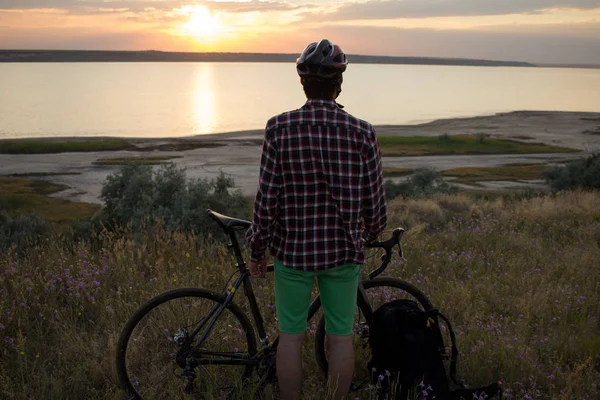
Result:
x=237 y=153
x=527 y=119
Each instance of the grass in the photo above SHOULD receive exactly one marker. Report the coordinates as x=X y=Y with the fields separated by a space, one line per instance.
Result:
x=460 y=144
x=42 y=174
x=40 y=146
x=518 y=279
x=146 y=160
x=395 y=172
x=24 y=196
x=508 y=172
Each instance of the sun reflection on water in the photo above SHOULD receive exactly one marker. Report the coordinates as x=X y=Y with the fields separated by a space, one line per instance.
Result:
x=204 y=100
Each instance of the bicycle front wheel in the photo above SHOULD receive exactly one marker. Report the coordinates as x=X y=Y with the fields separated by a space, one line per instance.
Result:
x=156 y=345
x=378 y=291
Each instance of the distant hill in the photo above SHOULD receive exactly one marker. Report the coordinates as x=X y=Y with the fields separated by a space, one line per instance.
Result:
x=586 y=66
x=161 y=56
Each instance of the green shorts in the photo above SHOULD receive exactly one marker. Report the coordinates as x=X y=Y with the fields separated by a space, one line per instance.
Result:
x=337 y=287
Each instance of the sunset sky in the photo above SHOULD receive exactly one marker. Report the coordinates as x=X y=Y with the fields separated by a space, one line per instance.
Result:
x=543 y=31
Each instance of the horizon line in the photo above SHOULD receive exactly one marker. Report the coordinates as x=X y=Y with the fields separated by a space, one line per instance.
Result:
x=391 y=57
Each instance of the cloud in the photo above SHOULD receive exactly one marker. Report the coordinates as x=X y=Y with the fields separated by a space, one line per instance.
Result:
x=373 y=9
x=74 y=5
x=384 y=9
x=335 y=10
x=548 y=44
x=273 y=26
x=140 y=6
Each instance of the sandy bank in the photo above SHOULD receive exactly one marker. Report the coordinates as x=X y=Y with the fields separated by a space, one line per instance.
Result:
x=238 y=153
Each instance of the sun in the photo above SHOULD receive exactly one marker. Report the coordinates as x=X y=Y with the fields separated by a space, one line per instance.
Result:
x=202 y=23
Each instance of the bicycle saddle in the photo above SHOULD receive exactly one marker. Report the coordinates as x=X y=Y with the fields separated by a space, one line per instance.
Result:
x=229 y=224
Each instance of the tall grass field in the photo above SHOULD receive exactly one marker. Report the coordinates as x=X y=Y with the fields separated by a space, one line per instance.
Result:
x=520 y=280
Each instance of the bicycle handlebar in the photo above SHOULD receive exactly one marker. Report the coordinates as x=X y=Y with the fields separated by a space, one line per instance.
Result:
x=388 y=246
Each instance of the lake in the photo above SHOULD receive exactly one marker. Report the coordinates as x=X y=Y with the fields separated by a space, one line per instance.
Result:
x=183 y=99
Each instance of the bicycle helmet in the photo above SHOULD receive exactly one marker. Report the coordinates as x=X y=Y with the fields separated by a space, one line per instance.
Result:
x=323 y=60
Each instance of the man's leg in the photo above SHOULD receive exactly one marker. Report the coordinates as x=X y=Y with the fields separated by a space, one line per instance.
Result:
x=289 y=365
x=338 y=288
x=341 y=365
x=292 y=300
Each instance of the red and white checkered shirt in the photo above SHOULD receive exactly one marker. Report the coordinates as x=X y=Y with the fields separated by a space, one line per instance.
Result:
x=320 y=189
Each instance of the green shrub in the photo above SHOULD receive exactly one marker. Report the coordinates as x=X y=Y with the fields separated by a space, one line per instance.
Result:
x=141 y=195
x=583 y=173
x=481 y=136
x=424 y=182
x=21 y=231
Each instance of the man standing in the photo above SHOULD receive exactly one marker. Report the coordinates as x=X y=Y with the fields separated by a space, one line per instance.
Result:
x=320 y=194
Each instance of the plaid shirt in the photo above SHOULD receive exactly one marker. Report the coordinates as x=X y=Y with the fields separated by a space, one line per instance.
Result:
x=320 y=189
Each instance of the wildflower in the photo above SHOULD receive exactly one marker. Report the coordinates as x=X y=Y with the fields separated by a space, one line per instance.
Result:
x=37 y=355
x=381 y=378
x=22 y=353
x=1 y=326
x=187 y=255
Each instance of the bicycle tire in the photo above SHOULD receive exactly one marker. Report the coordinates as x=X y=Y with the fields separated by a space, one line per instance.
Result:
x=412 y=290
x=245 y=330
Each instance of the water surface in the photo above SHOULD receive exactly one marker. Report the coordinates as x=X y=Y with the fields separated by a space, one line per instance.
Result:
x=183 y=99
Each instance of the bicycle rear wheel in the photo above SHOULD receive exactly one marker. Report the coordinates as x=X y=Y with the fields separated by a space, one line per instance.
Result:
x=378 y=291
x=155 y=343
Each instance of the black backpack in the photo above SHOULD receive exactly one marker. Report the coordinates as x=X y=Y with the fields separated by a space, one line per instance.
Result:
x=408 y=356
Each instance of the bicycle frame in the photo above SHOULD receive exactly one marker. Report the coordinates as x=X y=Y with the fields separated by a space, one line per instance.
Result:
x=243 y=278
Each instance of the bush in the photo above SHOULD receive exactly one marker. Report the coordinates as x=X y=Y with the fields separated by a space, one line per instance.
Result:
x=140 y=195
x=583 y=174
x=424 y=182
x=21 y=231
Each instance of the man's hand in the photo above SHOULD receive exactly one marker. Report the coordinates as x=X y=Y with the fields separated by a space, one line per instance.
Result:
x=258 y=268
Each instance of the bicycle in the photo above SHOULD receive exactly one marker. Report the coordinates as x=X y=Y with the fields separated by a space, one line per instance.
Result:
x=197 y=346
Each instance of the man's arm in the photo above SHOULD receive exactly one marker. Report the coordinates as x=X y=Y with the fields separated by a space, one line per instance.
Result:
x=374 y=208
x=265 y=203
